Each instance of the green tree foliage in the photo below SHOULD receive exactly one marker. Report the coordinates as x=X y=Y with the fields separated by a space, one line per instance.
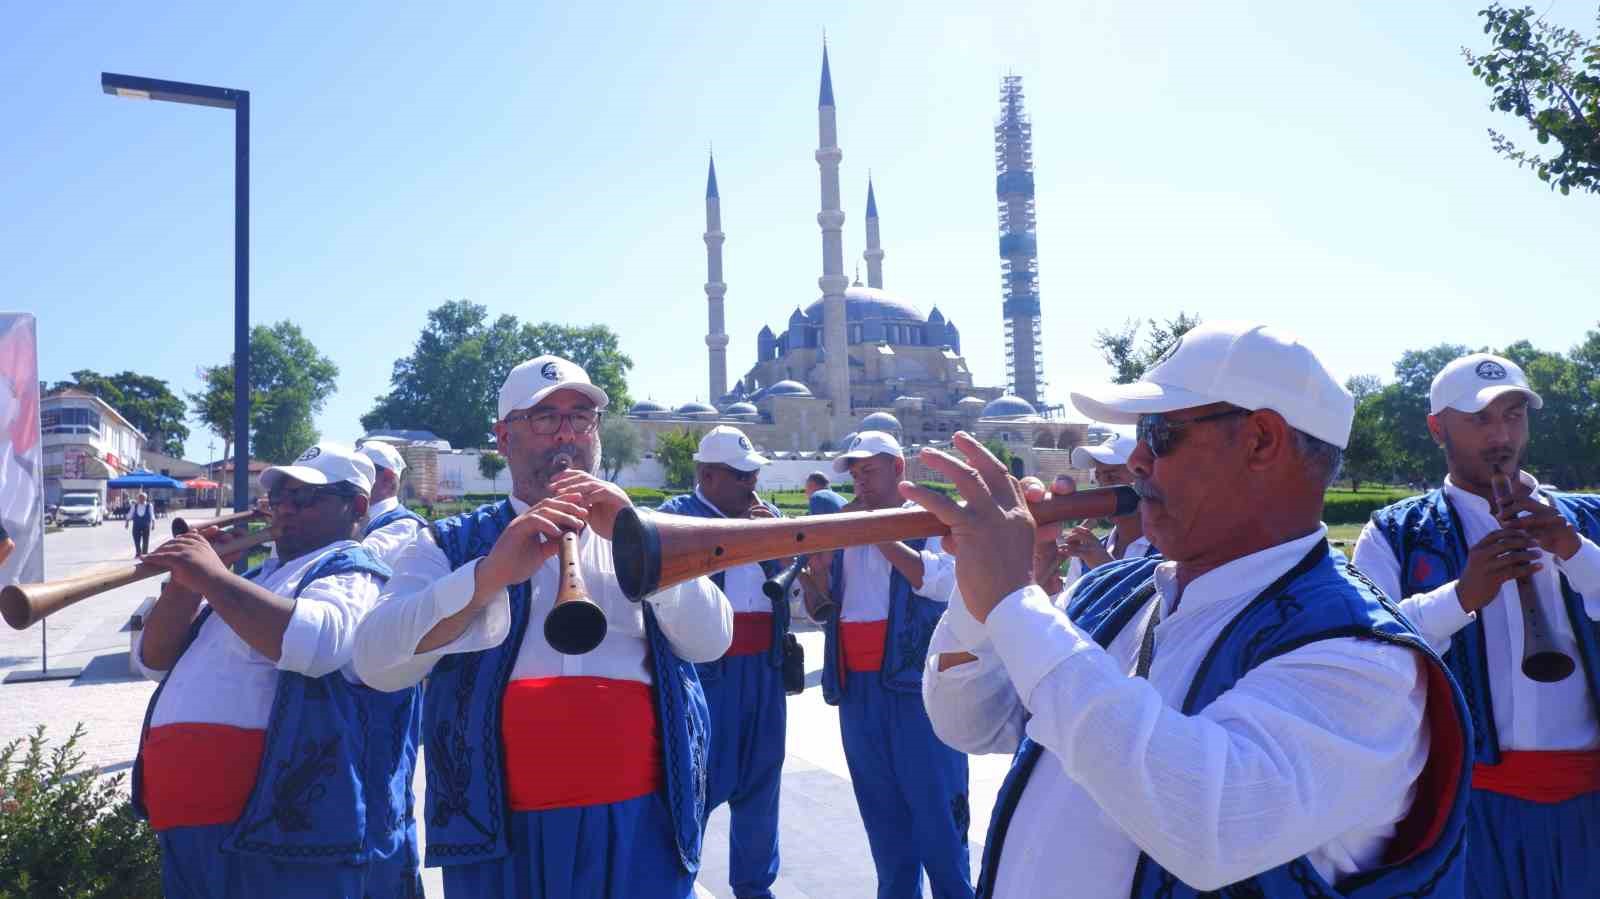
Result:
x=999 y=451
x=1549 y=77
x=675 y=449
x=620 y=445
x=146 y=402
x=290 y=382
x=450 y=382
x=1127 y=358
x=1364 y=457
x=490 y=464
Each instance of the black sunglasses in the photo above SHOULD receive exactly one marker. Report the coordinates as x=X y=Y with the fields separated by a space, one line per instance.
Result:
x=1161 y=434
x=306 y=496
x=735 y=473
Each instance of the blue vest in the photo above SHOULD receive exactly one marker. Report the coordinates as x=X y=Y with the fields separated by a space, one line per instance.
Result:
x=335 y=780
x=390 y=517
x=905 y=639
x=1425 y=534
x=467 y=805
x=691 y=505
x=1320 y=598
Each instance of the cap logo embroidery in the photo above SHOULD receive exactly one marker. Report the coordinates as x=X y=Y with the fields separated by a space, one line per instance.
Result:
x=855 y=442
x=1489 y=370
x=550 y=372
x=310 y=454
x=744 y=443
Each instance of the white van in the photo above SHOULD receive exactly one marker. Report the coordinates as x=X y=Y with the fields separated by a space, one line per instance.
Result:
x=81 y=508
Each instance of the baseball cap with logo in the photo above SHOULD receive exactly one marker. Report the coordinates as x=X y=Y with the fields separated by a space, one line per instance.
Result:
x=1250 y=366
x=727 y=445
x=1114 y=451
x=383 y=455
x=867 y=443
x=325 y=463
x=1474 y=381
x=536 y=379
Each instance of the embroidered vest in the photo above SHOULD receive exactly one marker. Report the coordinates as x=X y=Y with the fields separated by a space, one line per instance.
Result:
x=1321 y=598
x=468 y=810
x=905 y=639
x=390 y=517
x=335 y=780
x=1425 y=534
x=711 y=672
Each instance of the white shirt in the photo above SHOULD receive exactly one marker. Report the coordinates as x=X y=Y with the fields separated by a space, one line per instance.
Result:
x=694 y=616
x=220 y=679
x=1528 y=715
x=741 y=584
x=866 y=579
x=1138 y=549
x=1315 y=752
x=387 y=542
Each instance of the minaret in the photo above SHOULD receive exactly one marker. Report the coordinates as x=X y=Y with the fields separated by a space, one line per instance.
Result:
x=1019 y=261
x=874 y=253
x=836 y=369
x=716 y=336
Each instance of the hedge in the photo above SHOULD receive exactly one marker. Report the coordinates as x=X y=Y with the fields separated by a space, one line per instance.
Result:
x=1346 y=507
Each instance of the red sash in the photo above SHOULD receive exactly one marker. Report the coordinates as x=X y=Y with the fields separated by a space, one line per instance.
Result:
x=196 y=775
x=1547 y=777
x=752 y=634
x=572 y=741
x=863 y=644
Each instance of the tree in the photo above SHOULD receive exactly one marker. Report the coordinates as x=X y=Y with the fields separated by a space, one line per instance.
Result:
x=1561 y=434
x=675 y=449
x=146 y=402
x=999 y=451
x=293 y=380
x=1549 y=77
x=490 y=464
x=1364 y=454
x=450 y=382
x=1121 y=350
x=619 y=445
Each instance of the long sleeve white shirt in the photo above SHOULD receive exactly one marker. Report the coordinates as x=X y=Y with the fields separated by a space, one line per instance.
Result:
x=1528 y=715
x=866 y=579
x=220 y=679
x=694 y=617
x=742 y=584
x=388 y=541
x=1314 y=753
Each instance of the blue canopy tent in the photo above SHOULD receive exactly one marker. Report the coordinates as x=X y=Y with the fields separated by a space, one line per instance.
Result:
x=144 y=480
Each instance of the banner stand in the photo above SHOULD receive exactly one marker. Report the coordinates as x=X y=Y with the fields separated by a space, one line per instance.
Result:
x=44 y=672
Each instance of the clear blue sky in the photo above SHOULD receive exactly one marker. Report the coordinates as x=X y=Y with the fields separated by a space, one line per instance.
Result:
x=1322 y=167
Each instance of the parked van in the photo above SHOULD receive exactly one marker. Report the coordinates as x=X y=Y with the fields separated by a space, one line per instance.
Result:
x=81 y=508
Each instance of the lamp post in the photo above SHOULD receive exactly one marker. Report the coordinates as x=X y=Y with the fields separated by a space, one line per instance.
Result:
x=137 y=88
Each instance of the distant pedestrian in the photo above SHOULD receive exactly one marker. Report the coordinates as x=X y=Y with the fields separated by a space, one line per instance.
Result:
x=820 y=500
x=140 y=517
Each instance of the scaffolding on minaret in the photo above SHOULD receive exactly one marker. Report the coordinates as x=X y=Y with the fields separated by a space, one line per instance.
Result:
x=1019 y=261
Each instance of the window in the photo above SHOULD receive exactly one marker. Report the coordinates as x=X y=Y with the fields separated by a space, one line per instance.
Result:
x=70 y=420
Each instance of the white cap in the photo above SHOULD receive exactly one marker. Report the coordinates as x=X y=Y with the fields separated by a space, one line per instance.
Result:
x=536 y=379
x=325 y=463
x=383 y=455
x=1114 y=451
x=727 y=445
x=867 y=443
x=1250 y=366
x=1472 y=382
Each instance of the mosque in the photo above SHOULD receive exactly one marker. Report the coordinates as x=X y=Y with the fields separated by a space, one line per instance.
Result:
x=860 y=357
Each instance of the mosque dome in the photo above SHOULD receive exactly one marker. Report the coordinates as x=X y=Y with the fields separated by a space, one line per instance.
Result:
x=864 y=303
x=740 y=409
x=1008 y=406
x=646 y=407
x=695 y=409
x=969 y=401
x=788 y=388
x=881 y=421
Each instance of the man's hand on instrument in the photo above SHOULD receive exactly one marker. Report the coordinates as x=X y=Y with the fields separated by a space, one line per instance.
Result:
x=1501 y=556
x=190 y=559
x=527 y=542
x=1553 y=533
x=1081 y=543
x=994 y=528
x=602 y=499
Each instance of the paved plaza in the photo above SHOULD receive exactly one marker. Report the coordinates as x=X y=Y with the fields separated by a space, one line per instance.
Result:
x=824 y=847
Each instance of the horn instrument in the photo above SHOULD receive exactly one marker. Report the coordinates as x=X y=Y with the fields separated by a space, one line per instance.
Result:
x=1542 y=660
x=576 y=624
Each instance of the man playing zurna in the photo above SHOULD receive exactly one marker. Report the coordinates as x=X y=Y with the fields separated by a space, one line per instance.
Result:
x=1251 y=716
x=744 y=689
x=390 y=526
x=265 y=767
x=550 y=776
x=911 y=788
x=1108 y=463
x=1534 y=821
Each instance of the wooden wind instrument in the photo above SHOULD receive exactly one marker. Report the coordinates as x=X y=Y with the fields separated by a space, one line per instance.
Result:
x=652 y=552
x=1542 y=659
x=23 y=604
x=576 y=624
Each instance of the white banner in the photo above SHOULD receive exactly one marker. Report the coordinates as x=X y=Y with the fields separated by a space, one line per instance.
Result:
x=21 y=465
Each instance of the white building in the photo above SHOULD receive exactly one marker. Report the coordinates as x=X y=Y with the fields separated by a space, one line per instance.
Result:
x=85 y=443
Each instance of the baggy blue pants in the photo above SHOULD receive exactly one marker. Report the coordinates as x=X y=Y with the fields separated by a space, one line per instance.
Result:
x=749 y=711
x=1518 y=849
x=621 y=850
x=194 y=866
x=911 y=790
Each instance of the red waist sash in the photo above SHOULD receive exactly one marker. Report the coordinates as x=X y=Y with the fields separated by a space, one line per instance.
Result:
x=863 y=644
x=572 y=741
x=196 y=775
x=1541 y=776
x=752 y=634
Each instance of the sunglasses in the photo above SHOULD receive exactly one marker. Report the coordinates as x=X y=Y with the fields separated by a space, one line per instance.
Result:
x=304 y=497
x=1162 y=434
x=735 y=473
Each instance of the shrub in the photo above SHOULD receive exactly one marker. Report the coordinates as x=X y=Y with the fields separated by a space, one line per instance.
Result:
x=1345 y=507
x=66 y=832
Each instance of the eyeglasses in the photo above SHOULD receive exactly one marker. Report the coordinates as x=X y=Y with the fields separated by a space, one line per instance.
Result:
x=735 y=473
x=583 y=421
x=1161 y=434
x=303 y=497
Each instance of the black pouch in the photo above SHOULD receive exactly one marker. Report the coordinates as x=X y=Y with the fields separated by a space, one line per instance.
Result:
x=794 y=665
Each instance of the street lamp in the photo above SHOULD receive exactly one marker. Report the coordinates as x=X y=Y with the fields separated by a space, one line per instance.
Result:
x=136 y=88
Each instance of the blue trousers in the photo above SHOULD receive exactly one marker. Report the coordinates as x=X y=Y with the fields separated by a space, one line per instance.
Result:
x=749 y=711
x=622 y=850
x=1532 y=850
x=194 y=866
x=911 y=790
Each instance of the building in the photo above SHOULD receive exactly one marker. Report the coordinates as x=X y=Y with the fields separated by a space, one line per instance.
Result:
x=85 y=443
x=1019 y=244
